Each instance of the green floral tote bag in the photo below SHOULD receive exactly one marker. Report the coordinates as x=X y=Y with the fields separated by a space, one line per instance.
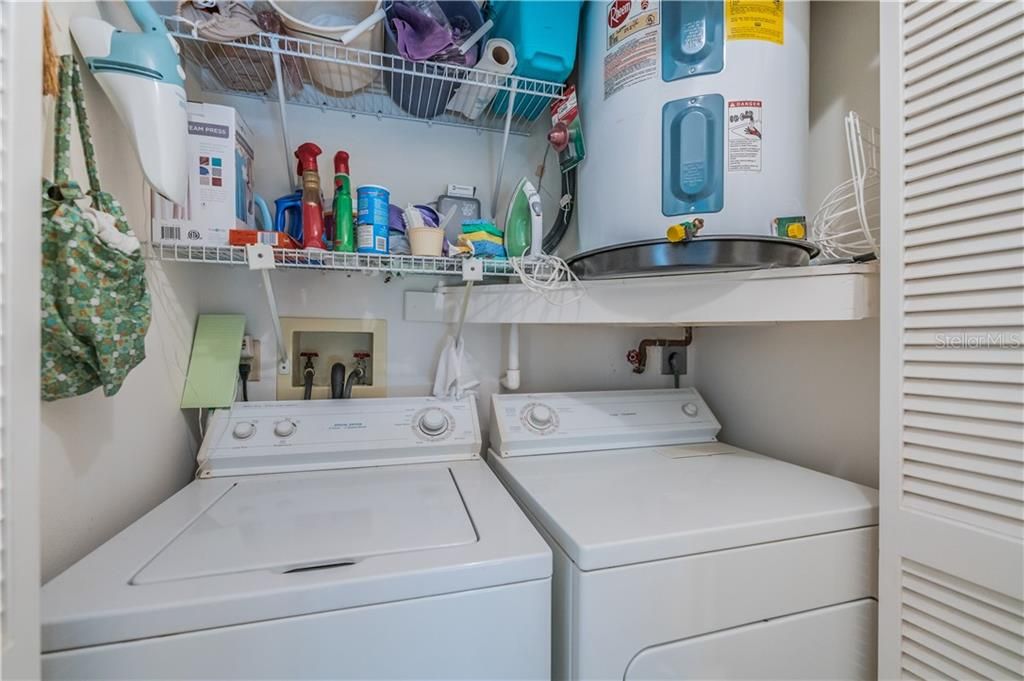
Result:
x=95 y=306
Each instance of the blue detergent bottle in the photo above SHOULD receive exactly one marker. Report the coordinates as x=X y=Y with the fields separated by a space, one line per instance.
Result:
x=544 y=35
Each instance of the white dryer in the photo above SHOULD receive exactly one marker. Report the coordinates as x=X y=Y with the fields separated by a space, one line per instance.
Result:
x=680 y=557
x=355 y=539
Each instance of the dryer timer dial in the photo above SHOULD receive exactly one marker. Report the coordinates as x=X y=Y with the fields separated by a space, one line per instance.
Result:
x=539 y=416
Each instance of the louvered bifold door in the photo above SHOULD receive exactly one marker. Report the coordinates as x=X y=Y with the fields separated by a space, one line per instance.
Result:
x=951 y=573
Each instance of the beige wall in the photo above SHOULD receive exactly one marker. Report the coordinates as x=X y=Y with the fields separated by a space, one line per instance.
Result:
x=844 y=78
x=808 y=393
x=803 y=393
x=106 y=461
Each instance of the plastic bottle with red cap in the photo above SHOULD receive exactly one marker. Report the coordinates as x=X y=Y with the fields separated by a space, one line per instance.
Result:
x=344 y=229
x=313 y=232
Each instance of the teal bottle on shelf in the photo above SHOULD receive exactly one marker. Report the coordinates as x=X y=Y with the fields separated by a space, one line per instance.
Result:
x=544 y=34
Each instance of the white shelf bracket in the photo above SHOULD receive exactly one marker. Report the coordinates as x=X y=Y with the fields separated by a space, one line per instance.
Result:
x=504 y=148
x=282 y=113
x=261 y=257
x=472 y=269
x=466 y=293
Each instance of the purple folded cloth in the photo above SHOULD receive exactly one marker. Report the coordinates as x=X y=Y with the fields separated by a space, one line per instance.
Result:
x=418 y=35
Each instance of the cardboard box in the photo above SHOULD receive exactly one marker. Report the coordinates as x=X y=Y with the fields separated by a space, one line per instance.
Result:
x=220 y=181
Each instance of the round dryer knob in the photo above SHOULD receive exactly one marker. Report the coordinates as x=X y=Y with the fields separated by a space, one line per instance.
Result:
x=539 y=416
x=690 y=409
x=244 y=430
x=284 y=428
x=432 y=422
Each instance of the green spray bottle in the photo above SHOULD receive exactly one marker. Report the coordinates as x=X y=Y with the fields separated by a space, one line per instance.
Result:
x=344 y=230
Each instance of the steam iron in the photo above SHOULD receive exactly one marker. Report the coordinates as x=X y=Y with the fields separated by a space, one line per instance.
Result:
x=524 y=221
x=142 y=76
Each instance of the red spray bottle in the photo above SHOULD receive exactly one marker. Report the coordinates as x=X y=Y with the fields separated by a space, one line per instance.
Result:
x=312 y=209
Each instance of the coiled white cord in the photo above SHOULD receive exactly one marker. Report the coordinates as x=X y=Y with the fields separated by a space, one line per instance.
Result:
x=550 y=277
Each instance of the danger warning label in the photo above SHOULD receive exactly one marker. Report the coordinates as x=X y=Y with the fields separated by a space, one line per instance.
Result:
x=632 y=55
x=746 y=135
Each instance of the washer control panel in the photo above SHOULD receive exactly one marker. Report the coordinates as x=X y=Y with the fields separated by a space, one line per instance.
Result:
x=565 y=422
x=296 y=435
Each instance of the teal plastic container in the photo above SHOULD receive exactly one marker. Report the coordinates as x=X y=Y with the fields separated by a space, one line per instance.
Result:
x=544 y=34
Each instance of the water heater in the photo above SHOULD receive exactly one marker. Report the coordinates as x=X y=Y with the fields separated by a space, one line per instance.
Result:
x=695 y=109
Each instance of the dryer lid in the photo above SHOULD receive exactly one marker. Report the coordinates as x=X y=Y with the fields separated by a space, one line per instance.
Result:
x=613 y=508
x=294 y=523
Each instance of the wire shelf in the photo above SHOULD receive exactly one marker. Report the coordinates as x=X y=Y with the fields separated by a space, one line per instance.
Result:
x=345 y=262
x=361 y=82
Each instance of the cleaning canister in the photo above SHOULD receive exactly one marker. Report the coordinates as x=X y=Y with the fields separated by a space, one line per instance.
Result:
x=372 y=230
x=344 y=232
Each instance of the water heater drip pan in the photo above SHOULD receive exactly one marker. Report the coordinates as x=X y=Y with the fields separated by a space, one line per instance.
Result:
x=700 y=254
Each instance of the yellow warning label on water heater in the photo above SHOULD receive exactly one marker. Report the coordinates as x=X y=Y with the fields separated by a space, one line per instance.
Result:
x=754 y=20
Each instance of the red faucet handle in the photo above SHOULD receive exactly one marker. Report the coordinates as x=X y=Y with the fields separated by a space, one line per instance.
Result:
x=309 y=354
x=361 y=355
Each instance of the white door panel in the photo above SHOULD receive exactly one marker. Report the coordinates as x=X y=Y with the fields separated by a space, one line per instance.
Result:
x=20 y=168
x=951 y=575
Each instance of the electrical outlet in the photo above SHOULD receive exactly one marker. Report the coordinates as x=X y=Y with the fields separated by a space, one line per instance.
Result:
x=666 y=352
x=247 y=351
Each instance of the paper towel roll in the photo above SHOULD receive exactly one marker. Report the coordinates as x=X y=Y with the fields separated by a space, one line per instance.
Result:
x=471 y=100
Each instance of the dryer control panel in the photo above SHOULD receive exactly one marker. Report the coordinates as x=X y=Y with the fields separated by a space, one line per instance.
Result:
x=548 y=423
x=269 y=437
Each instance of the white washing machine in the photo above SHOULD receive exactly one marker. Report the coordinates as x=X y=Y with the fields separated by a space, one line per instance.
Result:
x=680 y=557
x=355 y=539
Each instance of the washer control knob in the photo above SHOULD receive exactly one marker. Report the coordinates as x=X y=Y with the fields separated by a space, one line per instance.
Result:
x=540 y=416
x=284 y=428
x=432 y=422
x=690 y=409
x=244 y=430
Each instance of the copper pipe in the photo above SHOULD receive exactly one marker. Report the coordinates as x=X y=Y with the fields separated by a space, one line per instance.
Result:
x=638 y=357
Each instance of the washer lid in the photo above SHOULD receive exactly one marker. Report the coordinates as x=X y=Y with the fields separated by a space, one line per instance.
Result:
x=614 y=508
x=235 y=550
x=291 y=523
